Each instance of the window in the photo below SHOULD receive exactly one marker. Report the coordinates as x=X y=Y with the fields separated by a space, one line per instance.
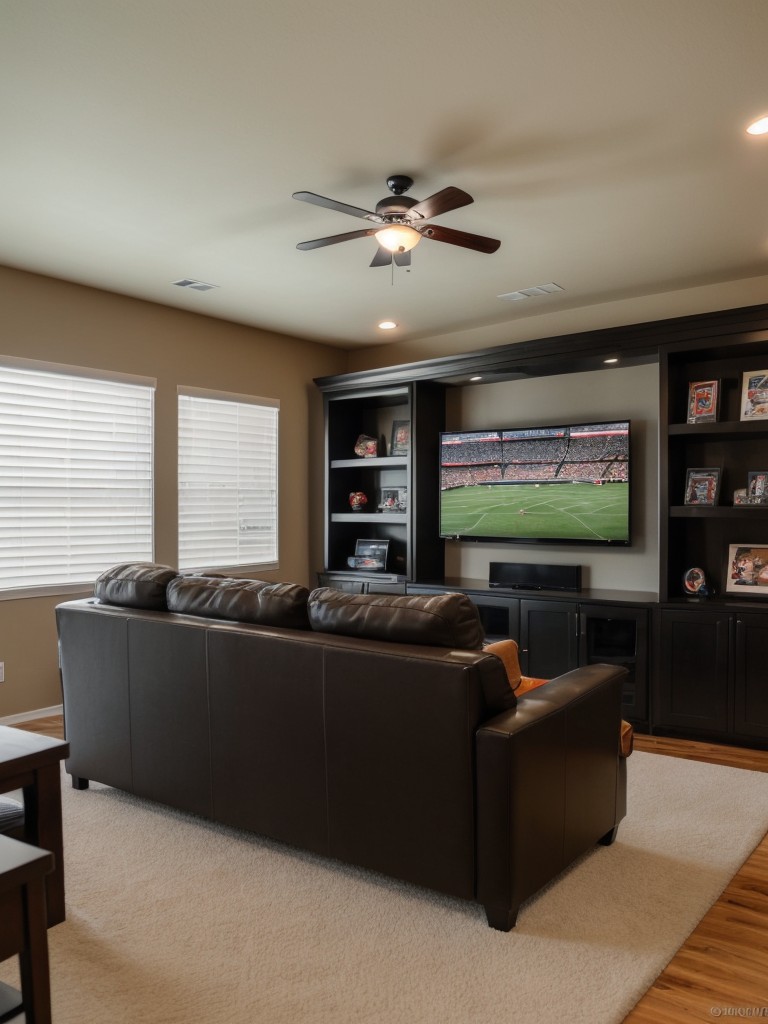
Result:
x=75 y=474
x=227 y=480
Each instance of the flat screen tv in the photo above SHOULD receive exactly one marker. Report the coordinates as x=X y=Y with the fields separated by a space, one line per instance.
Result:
x=564 y=484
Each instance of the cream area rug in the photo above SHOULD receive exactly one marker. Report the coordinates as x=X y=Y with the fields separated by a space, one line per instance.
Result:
x=172 y=920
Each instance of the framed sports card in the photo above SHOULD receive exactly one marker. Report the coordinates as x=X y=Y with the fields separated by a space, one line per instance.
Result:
x=703 y=401
x=702 y=486
x=747 y=570
x=754 y=395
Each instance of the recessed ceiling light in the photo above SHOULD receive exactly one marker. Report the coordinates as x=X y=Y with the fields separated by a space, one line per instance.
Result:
x=611 y=360
x=387 y=325
x=475 y=378
x=759 y=127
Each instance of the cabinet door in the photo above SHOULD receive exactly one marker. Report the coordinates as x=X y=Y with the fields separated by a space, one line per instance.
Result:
x=548 y=638
x=692 y=681
x=750 y=679
x=615 y=635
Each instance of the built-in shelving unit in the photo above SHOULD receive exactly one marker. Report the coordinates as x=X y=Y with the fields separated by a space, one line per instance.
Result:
x=705 y=658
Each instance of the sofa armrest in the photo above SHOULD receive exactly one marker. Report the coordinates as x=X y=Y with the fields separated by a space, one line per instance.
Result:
x=549 y=785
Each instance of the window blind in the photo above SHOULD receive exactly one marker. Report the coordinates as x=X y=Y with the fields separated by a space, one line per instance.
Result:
x=75 y=476
x=227 y=481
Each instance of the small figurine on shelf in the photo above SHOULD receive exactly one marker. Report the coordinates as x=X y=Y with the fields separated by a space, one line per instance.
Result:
x=695 y=583
x=366 y=447
x=357 y=501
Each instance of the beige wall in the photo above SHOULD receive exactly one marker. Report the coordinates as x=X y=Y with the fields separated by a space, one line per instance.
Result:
x=51 y=320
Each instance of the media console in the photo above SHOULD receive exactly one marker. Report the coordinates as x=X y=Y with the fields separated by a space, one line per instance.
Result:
x=559 y=631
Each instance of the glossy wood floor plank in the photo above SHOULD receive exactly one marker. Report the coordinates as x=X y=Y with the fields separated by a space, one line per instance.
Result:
x=722 y=968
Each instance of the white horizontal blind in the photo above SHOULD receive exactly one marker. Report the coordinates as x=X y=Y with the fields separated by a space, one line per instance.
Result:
x=75 y=476
x=227 y=481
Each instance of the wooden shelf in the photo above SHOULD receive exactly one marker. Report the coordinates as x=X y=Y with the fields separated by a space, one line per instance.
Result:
x=719 y=431
x=380 y=462
x=369 y=517
x=716 y=511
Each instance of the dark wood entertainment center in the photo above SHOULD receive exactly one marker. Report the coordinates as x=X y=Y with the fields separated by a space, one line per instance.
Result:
x=697 y=666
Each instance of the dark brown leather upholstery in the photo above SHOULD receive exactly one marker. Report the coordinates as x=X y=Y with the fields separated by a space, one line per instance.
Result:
x=407 y=759
x=268 y=604
x=445 y=620
x=135 y=585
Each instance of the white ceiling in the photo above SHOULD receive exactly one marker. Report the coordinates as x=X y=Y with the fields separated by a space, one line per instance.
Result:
x=145 y=141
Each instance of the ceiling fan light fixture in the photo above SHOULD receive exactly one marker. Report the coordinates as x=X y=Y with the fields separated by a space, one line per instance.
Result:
x=398 y=237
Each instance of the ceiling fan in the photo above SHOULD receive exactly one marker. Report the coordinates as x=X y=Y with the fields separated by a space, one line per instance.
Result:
x=401 y=222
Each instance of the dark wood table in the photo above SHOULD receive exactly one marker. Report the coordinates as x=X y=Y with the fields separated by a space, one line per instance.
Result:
x=30 y=762
x=24 y=929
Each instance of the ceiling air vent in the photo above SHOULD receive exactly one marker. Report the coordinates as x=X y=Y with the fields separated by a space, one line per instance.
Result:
x=530 y=293
x=196 y=286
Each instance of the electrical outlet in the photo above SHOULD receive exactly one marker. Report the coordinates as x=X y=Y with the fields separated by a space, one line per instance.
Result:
x=2 y=671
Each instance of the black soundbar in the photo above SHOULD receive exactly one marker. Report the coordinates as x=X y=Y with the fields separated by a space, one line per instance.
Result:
x=522 y=576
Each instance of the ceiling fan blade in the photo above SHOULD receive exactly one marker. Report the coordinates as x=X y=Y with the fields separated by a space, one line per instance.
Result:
x=441 y=202
x=383 y=258
x=477 y=242
x=402 y=259
x=318 y=243
x=333 y=204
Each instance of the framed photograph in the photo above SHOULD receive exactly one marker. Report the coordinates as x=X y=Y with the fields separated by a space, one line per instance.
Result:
x=754 y=394
x=747 y=570
x=369 y=555
x=740 y=496
x=757 y=487
x=393 y=499
x=401 y=437
x=703 y=401
x=702 y=486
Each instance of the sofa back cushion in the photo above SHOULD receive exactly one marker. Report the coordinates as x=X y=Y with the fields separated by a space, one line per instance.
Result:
x=266 y=604
x=135 y=585
x=439 y=620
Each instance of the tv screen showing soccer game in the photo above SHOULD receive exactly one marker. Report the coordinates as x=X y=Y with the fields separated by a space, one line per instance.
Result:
x=567 y=484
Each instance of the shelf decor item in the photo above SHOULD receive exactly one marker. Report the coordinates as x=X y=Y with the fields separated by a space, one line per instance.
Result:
x=695 y=583
x=369 y=555
x=754 y=394
x=757 y=487
x=702 y=486
x=703 y=401
x=357 y=501
x=393 y=499
x=401 y=437
x=367 y=447
x=740 y=496
x=747 y=570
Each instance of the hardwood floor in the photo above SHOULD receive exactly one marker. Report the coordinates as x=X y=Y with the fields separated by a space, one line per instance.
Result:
x=722 y=968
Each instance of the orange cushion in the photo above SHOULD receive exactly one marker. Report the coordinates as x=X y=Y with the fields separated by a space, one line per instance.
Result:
x=507 y=652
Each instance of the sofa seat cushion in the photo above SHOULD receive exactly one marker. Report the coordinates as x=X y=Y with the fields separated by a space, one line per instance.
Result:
x=266 y=604
x=439 y=620
x=507 y=652
x=135 y=585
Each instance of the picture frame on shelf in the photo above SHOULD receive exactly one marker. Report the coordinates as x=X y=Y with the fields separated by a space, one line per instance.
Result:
x=746 y=571
x=754 y=395
x=370 y=555
x=401 y=437
x=703 y=401
x=394 y=499
x=757 y=487
x=702 y=486
x=740 y=496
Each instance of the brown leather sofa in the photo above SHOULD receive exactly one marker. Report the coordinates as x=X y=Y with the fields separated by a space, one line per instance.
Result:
x=368 y=728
